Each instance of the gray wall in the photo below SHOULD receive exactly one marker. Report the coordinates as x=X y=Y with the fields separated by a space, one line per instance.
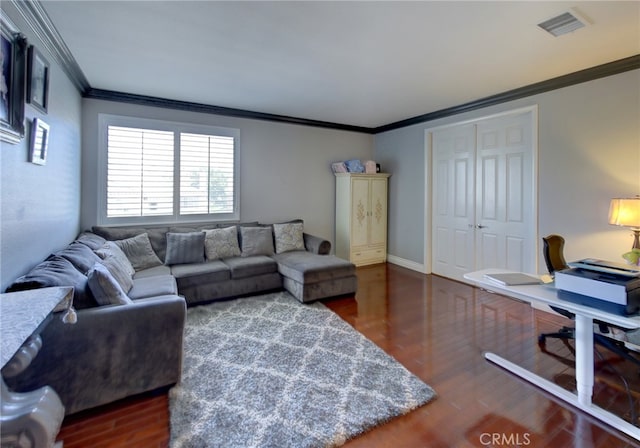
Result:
x=40 y=208
x=285 y=170
x=589 y=152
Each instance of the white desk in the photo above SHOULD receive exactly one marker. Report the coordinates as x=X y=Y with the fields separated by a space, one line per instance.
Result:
x=584 y=316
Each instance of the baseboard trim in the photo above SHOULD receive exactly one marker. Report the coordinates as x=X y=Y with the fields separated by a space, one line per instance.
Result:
x=414 y=266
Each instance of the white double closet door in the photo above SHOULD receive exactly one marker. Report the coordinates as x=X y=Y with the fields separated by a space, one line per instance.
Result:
x=484 y=195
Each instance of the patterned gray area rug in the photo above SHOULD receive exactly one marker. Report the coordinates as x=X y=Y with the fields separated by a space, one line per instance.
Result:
x=268 y=371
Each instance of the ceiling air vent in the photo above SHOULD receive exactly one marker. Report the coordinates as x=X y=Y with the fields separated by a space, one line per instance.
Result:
x=563 y=24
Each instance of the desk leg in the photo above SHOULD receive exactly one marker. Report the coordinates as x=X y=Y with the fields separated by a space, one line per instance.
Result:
x=569 y=397
x=584 y=359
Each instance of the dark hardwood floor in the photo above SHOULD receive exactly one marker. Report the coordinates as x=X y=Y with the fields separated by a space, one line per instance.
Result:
x=439 y=330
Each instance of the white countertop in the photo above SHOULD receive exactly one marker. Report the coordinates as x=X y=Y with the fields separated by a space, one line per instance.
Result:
x=21 y=313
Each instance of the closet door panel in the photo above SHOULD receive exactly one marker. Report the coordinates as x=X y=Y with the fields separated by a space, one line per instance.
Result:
x=461 y=205
x=453 y=214
x=505 y=160
x=441 y=253
x=461 y=260
x=515 y=253
x=515 y=194
x=490 y=249
x=440 y=194
x=488 y=197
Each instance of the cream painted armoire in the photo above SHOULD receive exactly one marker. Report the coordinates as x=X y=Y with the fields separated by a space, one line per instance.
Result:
x=361 y=217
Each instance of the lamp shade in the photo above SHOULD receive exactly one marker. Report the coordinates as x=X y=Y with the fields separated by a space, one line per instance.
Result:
x=625 y=212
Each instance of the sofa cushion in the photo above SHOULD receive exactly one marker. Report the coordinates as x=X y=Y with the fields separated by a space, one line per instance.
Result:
x=256 y=241
x=210 y=275
x=122 y=276
x=57 y=271
x=211 y=271
x=242 y=267
x=139 y=251
x=221 y=243
x=305 y=267
x=288 y=236
x=111 y=249
x=80 y=255
x=105 y=287
x=91 y=240
x=153 y=286
x=157 y=236
x=183 y=248
x=153 y=272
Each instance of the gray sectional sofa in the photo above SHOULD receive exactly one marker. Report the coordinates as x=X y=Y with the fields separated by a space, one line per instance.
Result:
x=131 y=289
x=219 y=261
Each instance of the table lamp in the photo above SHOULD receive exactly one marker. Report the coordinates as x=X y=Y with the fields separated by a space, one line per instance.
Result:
x=626 y=212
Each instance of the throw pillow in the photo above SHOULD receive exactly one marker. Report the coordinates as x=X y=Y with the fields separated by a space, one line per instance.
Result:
x=289 y=236
x=80 y=255
x=105 y=287
x=111 y=249
x=57 y=271
x=184 y=248
x=221 y=243
x=139 y=252
x=91 y=240
x=256 y=241
x=123 y=278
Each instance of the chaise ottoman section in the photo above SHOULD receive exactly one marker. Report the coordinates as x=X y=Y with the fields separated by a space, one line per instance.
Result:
x=310 y=277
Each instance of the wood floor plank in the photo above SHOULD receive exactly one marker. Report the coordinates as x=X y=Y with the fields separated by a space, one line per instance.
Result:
x=439 y=330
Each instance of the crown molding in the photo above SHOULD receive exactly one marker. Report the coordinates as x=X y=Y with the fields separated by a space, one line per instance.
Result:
x=38 y=20
x=589 y=74
x=144 y=100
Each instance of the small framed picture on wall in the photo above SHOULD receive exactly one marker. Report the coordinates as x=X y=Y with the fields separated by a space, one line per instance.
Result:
x=37 y=80
x=39 y=143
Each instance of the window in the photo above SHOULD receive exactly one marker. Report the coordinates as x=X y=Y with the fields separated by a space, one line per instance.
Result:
x=156 y=171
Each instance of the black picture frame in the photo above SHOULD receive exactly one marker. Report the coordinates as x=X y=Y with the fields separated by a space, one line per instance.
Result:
x=37 y=80
x=39 y=142
x=13 y=51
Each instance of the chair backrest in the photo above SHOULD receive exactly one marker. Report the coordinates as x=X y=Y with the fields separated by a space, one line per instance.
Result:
x=553 y=256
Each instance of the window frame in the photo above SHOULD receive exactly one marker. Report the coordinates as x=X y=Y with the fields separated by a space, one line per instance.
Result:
x=106 y=120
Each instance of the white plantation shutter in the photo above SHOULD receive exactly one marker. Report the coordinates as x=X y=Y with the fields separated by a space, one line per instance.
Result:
x=206 y=174
x=139 y=172
x=158 y=171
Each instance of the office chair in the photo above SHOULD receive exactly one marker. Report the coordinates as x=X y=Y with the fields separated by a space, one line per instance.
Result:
x=553 y=251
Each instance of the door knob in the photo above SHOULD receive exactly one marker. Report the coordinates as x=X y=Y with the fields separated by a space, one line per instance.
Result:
x=480 y=226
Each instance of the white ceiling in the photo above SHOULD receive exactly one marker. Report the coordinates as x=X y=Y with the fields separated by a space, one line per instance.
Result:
x=355 y=63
